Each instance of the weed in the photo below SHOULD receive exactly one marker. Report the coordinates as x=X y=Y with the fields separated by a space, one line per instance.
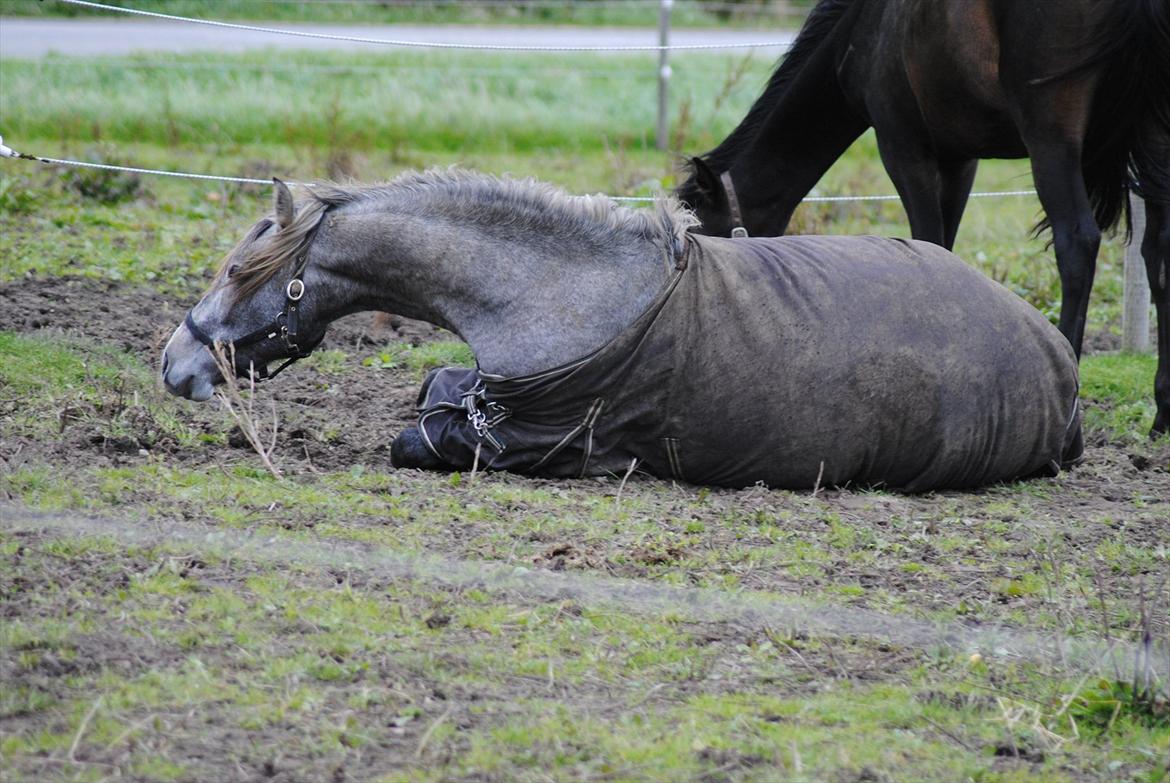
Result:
x=19 y=195
x=421 y=358
x=105 y=186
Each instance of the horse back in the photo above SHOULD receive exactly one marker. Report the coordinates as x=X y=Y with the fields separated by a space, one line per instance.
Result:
x=970 y=76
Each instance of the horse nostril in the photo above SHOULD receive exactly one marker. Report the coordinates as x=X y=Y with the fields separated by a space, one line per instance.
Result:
x=166 y=362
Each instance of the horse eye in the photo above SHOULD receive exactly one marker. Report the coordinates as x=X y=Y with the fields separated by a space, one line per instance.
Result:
x=232 y=270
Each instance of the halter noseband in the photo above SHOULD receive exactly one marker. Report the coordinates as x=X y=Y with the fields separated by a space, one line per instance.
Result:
x=737 y=229
x=285 y=325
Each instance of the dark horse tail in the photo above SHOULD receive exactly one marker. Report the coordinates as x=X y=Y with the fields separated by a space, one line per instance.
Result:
x=1131 y=108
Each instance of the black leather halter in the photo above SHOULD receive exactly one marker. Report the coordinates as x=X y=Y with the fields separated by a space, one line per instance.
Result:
x=737 y=228
x=285 y=325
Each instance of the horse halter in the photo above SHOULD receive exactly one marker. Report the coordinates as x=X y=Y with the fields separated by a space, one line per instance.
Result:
x=737 y=228
x=285 y=325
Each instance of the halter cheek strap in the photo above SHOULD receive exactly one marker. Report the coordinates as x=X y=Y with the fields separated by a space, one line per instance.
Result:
x=737 y=228
x=285 y=325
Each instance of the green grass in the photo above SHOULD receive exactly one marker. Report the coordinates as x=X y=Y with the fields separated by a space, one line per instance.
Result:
x=252 y=650
x=585 y=123
x=421 y=358
x=1121 y=390
x=397 y=100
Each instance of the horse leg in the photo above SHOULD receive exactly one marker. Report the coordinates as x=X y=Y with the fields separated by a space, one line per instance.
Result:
x=1056 y=169
x=410 y=451
x=1156 y=251
x=957 y=179
x=918 y=179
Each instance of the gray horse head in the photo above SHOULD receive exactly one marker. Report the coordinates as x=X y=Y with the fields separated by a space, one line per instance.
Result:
x=260 y=306
x=527 y=275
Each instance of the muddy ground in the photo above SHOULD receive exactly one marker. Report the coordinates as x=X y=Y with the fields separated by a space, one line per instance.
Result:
x=363 y=407
x=343 y=415
x=340 y=417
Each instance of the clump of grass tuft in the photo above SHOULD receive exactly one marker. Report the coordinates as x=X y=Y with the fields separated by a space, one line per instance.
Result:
x=104 y=185
x=242 y=407
x=421 y=358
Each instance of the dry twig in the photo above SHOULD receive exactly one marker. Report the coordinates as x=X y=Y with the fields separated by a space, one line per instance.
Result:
x=243 y=410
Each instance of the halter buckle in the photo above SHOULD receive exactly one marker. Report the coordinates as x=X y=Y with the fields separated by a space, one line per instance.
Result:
x=295 y=289
x=739 y=232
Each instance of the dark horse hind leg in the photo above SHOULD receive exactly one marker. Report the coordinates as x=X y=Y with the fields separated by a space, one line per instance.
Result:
x=1156 y=251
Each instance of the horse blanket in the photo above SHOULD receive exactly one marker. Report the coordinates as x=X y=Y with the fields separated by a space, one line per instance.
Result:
x=791 y=361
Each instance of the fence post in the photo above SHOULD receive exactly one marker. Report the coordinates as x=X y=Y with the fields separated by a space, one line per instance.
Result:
x=1135 y=307
x=661 y=140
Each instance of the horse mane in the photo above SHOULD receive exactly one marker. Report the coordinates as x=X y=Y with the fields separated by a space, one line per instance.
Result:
x=519 y=207
x=817 y=26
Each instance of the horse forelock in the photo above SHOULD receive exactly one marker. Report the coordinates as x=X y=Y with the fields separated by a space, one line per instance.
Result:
x=255 y=266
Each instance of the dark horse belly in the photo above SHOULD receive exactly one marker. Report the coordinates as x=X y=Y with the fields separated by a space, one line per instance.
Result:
x=789 y=361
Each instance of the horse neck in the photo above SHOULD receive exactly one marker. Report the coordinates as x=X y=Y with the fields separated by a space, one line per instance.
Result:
x=523 y=303
x=776 y=161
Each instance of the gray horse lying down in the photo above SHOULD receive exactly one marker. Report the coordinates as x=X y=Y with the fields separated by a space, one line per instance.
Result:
x=608 y=338
x=788 y=361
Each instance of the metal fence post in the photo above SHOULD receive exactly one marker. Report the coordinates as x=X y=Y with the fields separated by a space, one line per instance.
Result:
x=1135 y=308
x=661 y=138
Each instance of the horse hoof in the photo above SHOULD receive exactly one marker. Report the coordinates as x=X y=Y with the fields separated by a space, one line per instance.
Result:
x=410 y=451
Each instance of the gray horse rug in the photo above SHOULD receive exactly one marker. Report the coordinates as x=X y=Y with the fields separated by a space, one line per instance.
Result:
x=792 y=361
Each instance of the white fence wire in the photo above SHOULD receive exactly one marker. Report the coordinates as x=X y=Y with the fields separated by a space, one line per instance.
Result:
x=8 y=152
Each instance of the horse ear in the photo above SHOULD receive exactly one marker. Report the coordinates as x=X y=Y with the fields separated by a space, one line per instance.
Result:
x=706 y=178
x=283 y=204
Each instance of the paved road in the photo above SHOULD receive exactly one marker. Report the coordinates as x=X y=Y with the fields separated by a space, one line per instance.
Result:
x=29 y=38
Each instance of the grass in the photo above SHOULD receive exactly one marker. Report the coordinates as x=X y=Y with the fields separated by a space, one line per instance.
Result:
x=421 y=358
x=584 y=123
x=396 y=100
x=256 y=651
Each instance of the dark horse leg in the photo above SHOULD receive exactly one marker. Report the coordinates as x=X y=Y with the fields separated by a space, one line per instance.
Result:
x=1156 y=251
x=956 y=181
x=918 y=179
x=1056 y=169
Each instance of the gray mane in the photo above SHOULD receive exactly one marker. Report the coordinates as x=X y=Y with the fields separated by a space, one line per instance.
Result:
x=520 y=206
x=515 y=207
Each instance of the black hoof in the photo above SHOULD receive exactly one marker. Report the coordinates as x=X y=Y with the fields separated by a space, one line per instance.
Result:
x=410 y=451
x=1161 y=426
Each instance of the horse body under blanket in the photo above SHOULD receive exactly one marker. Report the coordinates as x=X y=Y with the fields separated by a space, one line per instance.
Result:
x=605 y=335
x=789 y=361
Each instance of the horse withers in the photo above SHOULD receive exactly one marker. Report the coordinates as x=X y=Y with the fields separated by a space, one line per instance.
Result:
x=1081 y=87
x=608 y=338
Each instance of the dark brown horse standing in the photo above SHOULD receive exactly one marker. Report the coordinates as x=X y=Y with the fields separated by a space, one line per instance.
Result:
x=1081 y=87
